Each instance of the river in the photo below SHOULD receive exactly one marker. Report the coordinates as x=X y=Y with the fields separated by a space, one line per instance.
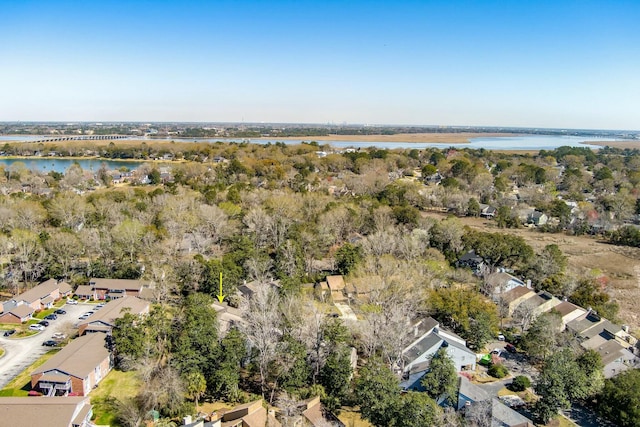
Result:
x=520 y=142
x=44 y=164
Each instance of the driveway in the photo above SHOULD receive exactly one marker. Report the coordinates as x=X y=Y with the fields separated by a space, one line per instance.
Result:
x=22 y=352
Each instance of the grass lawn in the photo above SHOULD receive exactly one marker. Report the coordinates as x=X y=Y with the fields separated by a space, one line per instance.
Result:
x=117 y=385
x=561 y=421
x=40 y=315
x=21 y=384
x=351 y=418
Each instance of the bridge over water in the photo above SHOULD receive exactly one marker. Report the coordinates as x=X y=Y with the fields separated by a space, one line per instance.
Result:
x=80 y=138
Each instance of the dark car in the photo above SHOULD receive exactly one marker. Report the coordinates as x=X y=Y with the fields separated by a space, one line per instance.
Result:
x=510 y=348
x=60 y=311
x=9 y=332
x=43 y=323
x=49 y=343
x=51 y=317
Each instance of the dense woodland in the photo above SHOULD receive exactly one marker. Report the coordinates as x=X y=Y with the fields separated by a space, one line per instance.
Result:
x=283 y=213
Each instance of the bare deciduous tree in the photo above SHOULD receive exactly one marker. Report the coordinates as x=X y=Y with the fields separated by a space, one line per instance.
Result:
x=262 y=327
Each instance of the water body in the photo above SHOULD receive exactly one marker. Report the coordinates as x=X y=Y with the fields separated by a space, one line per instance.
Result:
x=520 y=142
x=46 y=165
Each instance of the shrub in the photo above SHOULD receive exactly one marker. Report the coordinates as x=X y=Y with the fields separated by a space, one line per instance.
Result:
x=520 y=383
x=498 y=371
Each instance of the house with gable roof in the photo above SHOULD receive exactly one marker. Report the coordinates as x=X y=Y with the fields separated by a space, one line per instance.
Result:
x=77 y=368
x=429 y=338
x=104 y=319
x=41 y=296
x=52 y=411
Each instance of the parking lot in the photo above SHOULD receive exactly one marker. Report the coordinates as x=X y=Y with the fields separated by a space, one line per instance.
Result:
x=22 y=352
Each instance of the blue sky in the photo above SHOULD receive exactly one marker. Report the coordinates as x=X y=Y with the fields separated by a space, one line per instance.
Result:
x=567 y=64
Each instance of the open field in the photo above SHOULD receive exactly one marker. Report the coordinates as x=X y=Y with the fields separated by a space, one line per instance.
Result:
x=587 y=255
x=616 y=144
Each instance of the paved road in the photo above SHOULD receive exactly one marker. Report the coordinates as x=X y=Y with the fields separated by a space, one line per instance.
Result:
x=22 y=352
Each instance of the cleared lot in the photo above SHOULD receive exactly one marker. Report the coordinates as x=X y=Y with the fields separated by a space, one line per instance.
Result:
x=22 y=352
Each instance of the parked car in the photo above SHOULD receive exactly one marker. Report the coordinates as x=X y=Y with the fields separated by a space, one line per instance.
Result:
x=9 y=332
x=84 y=316
x=43 y=323
x=59 y=336
x=72 y=302
x=510 y=348
x=51 y=317
x=36 y=327
x=49 y=343
x=99 y=306
x=60 y=311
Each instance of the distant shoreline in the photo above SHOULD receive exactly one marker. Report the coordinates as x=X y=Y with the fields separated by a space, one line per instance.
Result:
x=424 y=138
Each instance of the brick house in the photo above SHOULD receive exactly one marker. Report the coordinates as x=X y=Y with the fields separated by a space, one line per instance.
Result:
x=115 y=288
x=19 y=314
x=76 y=369
x=42 y=296
x=104 y=319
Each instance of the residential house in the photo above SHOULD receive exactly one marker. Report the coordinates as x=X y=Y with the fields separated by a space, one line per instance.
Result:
x=104 y=319
x=511 y=299
x=115 y=288
x=315 y=415
x=18 y=314
x=43 y=296
x=537 y=218
x=337 y=288
x=52 y=411
x=500 y=282
x=86 y=292
x=473 y=398
x=568 y=312
x=591 y=324
x=228 y=317
x=430 y=338
x=542 y=301
x=471 y=260
x=251 y=414
x=615 y=356
x=487 y=211
x=76 y=369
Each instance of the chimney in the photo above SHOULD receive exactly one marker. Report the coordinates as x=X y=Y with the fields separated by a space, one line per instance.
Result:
x=528 y=283
x=186 y=420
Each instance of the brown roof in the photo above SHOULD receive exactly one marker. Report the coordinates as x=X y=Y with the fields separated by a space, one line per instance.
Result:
x=47 y=300
x=565 y=307
x=37 y=411
x=84 y=290
x=115 y=309
x=515 y=293
x=64 y=287
x=116 y=284
x=79 y=358
x=253 y=414
x=313 y=413
x=336 y=283
x=22 y=311
x=41 y=291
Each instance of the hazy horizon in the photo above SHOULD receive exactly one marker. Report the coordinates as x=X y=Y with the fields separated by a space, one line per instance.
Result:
x=555 y=65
